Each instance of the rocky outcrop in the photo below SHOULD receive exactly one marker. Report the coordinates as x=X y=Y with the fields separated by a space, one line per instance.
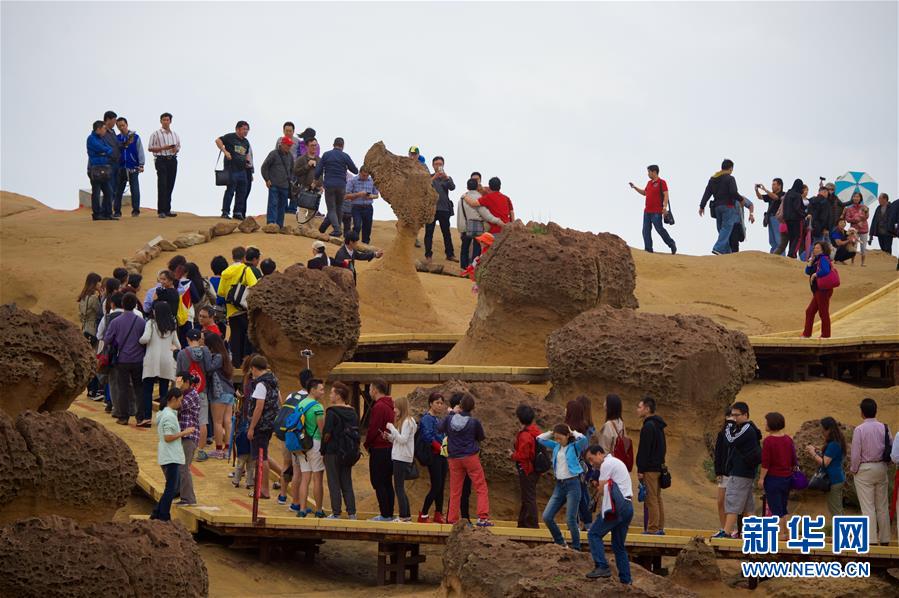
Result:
x=696 y=563
x=189 y=240
x=828 y=586
x=54 y=556
x=495 y=404
x=685 y=362
x=304 y=309
x=478 y=564
x=810 y=432
x=535 y=279
x=406 y=185
x=60 y=463
x=271 y=228
x=248 y=225
x=45 y=360
x=166 y=245
x=220 y=229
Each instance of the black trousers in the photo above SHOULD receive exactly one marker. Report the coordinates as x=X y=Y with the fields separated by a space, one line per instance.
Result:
x=886 y=243
x=129 y=389
x=464 y=511
x=400 y=468
x=239 y=340
x=437 y=469
x=380 y=470
x=166 y=171
x=527 y=516
x=444 y=219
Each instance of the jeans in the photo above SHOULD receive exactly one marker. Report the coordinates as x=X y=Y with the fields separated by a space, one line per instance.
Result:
x=777 y=491
x=459 y=468
x=277 y=204
x=145 y=409
x=618 y=526
x=166 y=171
x=437 y=471
x=728 y=218
x=114 y=187
x=130 y=178
x=380 y=470
x=567 y=492
x=773 y=233
x=362 y=219
x=400 y=469
x=527 y=516
x=163 y=508
x=105 y=208
x=584 y=512
x=340 y=484
x=334 y=205
x=655 y=220
x=238 y=189
x=470 y=250
x=128 y=387
x=444 y=219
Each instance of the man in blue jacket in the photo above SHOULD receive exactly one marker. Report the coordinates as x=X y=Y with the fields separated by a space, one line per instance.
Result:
x=98 y=155
x=334 y=164
x=131 y=165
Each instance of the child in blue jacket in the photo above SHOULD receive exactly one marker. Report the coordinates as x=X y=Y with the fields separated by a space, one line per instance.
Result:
x=567 y=446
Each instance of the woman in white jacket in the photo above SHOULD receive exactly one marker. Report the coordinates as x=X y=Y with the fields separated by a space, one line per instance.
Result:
x=402 y=453
x=161 y=338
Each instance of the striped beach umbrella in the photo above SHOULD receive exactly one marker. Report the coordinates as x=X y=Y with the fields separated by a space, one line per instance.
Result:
x=853 y=181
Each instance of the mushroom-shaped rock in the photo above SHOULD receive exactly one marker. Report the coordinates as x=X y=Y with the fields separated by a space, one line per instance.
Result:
x=687 y=362
x=533 y=280
x=495 y=404
x=60 y=463
x=304 y=309
x=696 y=563
x=54 y=556
x=406 y=185
x=45 y=359
x=479 y=564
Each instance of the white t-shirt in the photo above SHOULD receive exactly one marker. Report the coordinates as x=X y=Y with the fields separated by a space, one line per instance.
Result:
x=615 y=470
x=259 y=392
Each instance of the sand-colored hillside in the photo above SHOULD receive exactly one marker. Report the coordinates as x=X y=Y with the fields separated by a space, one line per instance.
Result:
x=45 y=255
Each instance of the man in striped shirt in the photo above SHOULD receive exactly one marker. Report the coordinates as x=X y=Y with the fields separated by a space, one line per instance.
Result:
x=165 y=145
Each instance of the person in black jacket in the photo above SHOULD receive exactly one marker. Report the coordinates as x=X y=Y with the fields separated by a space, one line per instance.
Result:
x=883 y=222
x=744 y=455
x=793 y=212
x=321 y=258
x=820 y=212
x=721 y=466
x=726 y=206
x=348 y=253
x=650 y=459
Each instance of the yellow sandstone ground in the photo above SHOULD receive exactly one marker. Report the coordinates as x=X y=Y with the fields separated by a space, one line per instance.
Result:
x=45 y=255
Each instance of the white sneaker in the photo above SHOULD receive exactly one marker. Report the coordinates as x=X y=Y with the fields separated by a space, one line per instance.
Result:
x=332 y=516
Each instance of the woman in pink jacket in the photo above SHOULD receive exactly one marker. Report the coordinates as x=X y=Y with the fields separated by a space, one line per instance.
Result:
x=857 y=217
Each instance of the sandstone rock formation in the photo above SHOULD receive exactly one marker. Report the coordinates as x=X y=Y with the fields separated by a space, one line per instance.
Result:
x=220 y=229
x=45 y=360
x=54 y=556
x=532 y=281
x=477 y=564
x=188 y=240
x=166 y=245
x=143 y=256
x=406 y=185
x=60 y=463
x=685 y=362
x=810 y=432
x=696 y=563
x=271 y=229
x=304 y=309
x=828 y=586
x=248 y=225
x=495 y=404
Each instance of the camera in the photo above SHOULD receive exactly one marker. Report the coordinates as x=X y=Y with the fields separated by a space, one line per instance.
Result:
x=821 y=178
x=307 y=353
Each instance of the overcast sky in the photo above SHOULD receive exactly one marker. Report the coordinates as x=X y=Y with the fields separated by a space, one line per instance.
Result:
x=566 y=103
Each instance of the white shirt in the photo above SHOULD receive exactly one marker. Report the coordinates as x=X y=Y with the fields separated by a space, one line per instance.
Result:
x=403 y=440
x=162 y=138
x=259 y=392
x=612 y=468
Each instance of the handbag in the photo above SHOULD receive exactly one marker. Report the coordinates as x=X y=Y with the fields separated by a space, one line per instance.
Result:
x=412 y=472
x=664 y=477
x=668 y=218
x=798 y=481
x=309 y=200
x=237 y=294
x=820 y=481
x=101 y=173
x=222 y=177
x=831 y=281
x=109 y=355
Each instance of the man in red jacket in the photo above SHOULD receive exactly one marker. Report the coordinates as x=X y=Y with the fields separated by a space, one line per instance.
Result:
x=380 y=464
x=523 y=455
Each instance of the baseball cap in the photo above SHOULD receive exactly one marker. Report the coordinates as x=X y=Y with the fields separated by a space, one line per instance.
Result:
x=414 y=150
x=318 y=245
x=485 y=239
x=287 y=141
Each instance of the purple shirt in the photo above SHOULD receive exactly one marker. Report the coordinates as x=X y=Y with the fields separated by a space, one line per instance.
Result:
x=124 y=332
x=867 y=443
x=189 y=414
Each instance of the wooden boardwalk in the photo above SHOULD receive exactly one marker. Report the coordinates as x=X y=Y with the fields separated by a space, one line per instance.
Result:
x=227 y=511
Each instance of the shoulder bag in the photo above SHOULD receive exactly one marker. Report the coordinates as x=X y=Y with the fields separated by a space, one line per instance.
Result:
x=100 y=173
x=237 y=294
x=223 y=176
x=668 y=216
x=109 y=356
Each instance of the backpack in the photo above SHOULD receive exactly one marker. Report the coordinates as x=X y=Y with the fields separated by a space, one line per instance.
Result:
x=623 y=449
x=293 y=427
x=542 y=460
x=346 y=441
x=197 y=371
x=423 y=450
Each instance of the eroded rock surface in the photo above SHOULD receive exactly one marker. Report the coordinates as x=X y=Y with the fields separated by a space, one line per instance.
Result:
x=45 y=360
x=304 y=309
x=60 y=463
x=535 y=279
x=54 y=556
x=685 y=362
x=696 y=563
x=404 y=183
x=248 y=225
x=478 y=564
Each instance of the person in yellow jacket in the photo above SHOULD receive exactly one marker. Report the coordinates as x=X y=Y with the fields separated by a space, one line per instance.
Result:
x=237 y=273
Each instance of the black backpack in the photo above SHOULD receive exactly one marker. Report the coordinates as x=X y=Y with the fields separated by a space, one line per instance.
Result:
x=542 y=460
x=423 y=450
x=346 y=443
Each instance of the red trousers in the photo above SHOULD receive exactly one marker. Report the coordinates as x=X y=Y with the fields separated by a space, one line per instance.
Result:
x=458 y=468
x=820 y=304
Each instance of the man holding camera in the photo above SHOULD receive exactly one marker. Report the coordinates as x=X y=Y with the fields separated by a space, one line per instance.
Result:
x=165 y=145
x=656 y=194
x=773 y=199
